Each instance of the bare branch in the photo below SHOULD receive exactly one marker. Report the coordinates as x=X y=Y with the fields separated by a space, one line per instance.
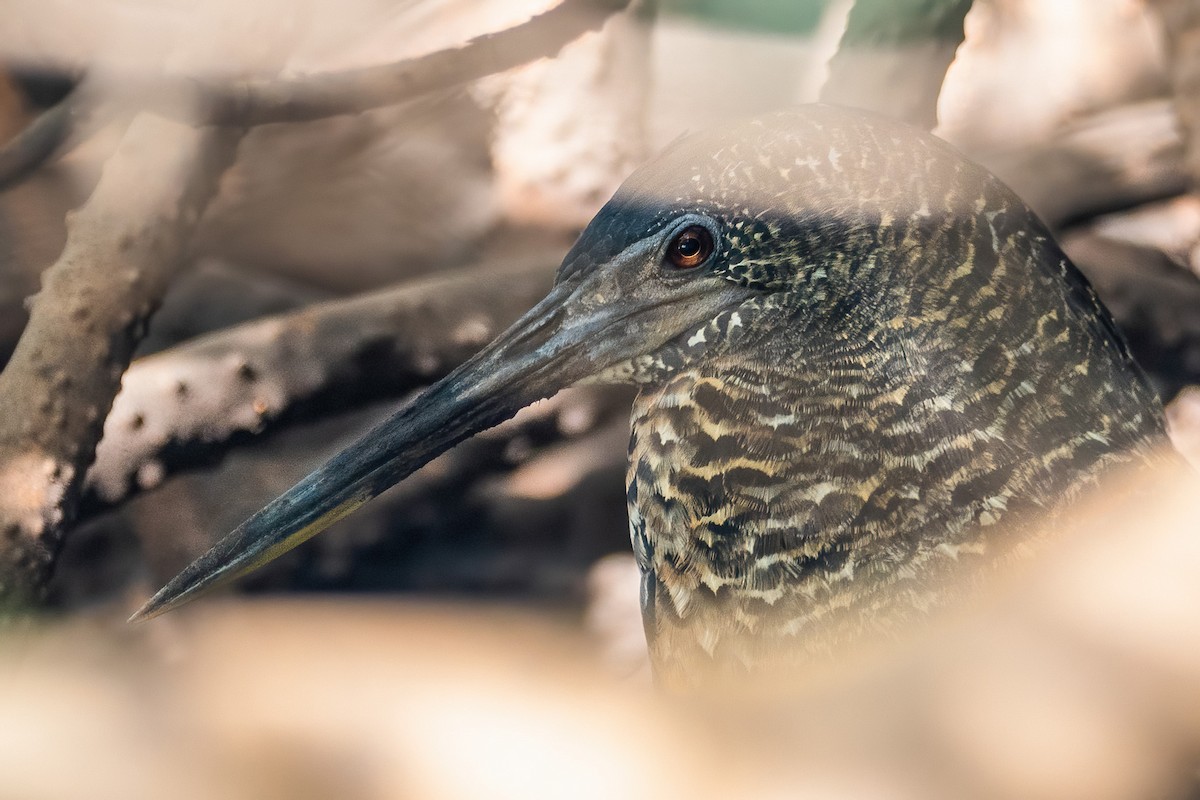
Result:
x=894 y=55
x=1110 y=161
x=312 y=97
x=189 y=405
x=56 y=130
x=123 y=246
x=38 y=142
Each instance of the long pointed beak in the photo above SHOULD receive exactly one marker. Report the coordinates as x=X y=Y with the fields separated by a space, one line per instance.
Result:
x=551 y=347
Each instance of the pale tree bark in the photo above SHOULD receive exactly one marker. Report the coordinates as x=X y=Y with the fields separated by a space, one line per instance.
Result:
x=125 y=244
x=188 y=405
x=123 y=247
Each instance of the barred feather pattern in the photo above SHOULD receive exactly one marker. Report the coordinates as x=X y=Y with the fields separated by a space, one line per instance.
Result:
x=920 y=375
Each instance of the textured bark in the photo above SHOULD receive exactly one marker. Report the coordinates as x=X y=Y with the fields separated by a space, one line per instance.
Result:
x=188 y=405
x=894 y=55
x=123 y=246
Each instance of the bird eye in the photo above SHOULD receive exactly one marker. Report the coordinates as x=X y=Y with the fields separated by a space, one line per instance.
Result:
x=690 y=248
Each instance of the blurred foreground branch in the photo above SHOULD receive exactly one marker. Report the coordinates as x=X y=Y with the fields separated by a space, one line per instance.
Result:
x=1069 y=680
x=188 y=405
x=894 y=55
x=122 y=249
x=205 y=101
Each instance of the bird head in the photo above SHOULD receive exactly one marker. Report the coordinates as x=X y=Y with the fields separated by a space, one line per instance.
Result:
x=804 y=222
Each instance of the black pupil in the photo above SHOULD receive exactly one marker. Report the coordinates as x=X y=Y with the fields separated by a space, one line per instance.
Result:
x=689 y=245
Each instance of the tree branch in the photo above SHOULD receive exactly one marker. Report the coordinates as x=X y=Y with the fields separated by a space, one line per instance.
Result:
x=123 y=246
x=1109 y=161
x=894 y=55
x=313 y=97
x=188 y=405
x=310 y=97
x=38 y=142
x=71 y=120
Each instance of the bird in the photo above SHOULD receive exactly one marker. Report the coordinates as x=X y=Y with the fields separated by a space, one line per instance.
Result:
x=862 y=364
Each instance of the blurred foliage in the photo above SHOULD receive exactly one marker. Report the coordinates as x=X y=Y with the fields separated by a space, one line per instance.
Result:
x=892 y=21
x=786 y=17
x=873 y=20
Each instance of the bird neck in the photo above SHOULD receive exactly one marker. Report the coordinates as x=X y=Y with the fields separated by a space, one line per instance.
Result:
x=817 y=481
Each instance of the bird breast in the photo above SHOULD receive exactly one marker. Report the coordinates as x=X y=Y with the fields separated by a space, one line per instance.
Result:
x=790 y=509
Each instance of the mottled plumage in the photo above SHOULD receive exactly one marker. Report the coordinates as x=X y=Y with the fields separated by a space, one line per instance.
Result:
x=925 y=372
x=880 y=371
